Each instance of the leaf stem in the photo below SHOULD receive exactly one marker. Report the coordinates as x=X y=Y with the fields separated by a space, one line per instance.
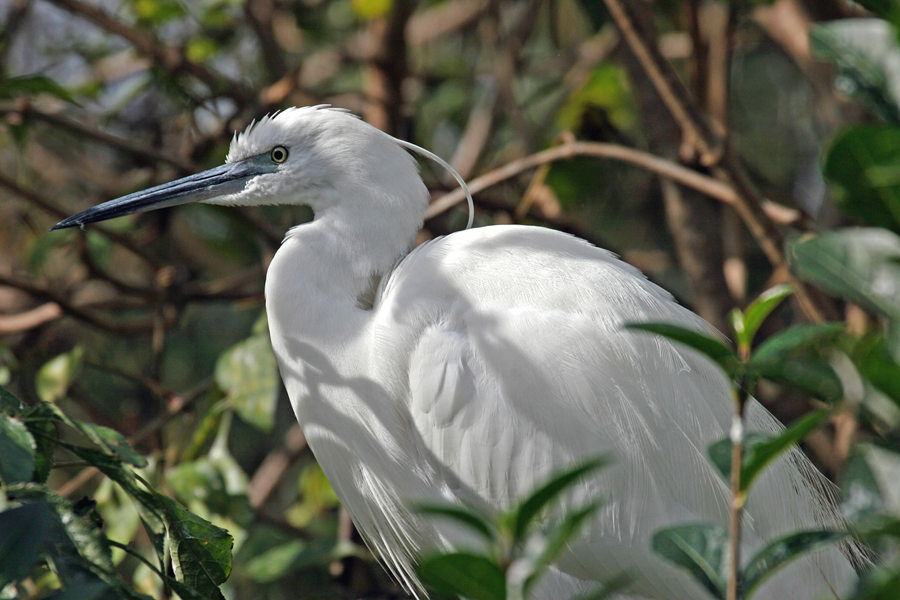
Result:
x=737 y=497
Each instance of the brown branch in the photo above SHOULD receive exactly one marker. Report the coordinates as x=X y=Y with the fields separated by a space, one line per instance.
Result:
x=664 y=168
x=78 y=312
x=169 y=58
x=29 y=319
x=386 y=68
x=267 y=477
x=260 y=14
x=709 y=147
x=443 y=19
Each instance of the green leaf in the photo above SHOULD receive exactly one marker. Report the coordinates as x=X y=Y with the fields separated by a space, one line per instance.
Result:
x=32 y=85
x=782 y=344
x=863 y=167
x=556 y=539
x=25 y=531
x=10 y=405
x=787 y=357
x=248 y=374
x=697 y=548
x=53 y=379
x=759 y=450
x=275 y=563
x=780 y=552
x=710 y=347
x=530 y=508
x=465 y=516
x=875 y=363
x=468 y=575
x=17 y=448
x=859 y=264
x=759 y=310
x=201 y=552
x=113 y=441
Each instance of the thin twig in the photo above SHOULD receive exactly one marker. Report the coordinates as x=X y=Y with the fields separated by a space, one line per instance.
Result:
x=29 y=319
x=664 y=168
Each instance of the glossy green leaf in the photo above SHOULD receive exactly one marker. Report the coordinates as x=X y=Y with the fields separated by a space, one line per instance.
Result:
x=17 y=450
x=113 y=441
x=10 y=405
x=759 y=310
x=25 y=531
x=782 y=344
x=859 y=264
x=464 y=516
x=809 y=374
x=468 y=575
x=780 y=552
x=864 y=169
x=54 y=378
x=760 y=450
x=698 y=548
x=713 y=348
x=247 y=373
x=530 y=508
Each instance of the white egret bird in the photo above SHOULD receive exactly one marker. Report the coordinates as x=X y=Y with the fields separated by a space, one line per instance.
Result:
x=472 y=367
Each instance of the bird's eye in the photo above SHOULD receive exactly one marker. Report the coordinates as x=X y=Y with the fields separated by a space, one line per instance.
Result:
x=278 y=154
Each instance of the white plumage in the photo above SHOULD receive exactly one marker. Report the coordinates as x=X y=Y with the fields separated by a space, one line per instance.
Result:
x=489 y=359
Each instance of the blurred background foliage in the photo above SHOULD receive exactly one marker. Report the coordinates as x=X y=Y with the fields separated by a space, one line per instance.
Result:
x=153 y=325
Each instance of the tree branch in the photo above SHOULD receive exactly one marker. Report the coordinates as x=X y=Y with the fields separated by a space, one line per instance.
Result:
x=664 y=168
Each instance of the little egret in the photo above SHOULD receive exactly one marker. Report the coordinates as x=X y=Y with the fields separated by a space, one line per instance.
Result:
x=471 y=368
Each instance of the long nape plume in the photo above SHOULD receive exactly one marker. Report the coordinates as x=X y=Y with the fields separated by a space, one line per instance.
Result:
x=446 y=165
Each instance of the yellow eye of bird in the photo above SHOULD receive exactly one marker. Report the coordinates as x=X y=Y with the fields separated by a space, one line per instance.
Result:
x=278 y=154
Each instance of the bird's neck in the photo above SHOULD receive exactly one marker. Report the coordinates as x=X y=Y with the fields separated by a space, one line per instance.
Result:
x=319 y=280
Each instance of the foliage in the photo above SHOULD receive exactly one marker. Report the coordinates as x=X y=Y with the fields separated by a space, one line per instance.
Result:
x=519 y=544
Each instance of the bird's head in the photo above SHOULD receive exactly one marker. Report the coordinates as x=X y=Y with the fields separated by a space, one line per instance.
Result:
x=319 y=156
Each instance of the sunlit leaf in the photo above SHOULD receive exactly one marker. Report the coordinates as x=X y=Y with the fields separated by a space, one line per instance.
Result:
x=709 y=346
x=862 y=50
x=54 y=378
x=249 y=376
x=697 y=548
x=371 y=9
x=856 y=263
x=530 y=508
x=759 y=309
x=469 y=575
x=17 y=450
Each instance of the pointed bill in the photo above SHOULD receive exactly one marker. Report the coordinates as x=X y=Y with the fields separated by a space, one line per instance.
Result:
x=227 y=179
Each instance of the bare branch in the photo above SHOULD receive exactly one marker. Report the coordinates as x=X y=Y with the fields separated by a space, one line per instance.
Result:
x=29 y=319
